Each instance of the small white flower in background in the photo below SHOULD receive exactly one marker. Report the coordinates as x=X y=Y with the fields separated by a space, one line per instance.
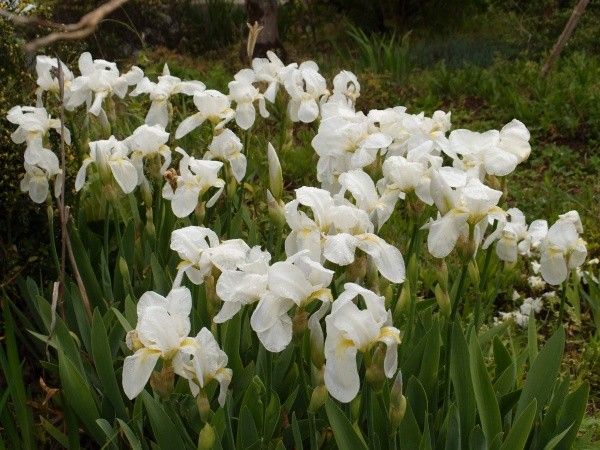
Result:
x=470 y=206
x=212 y=106
x=306 y=87
x=147 y=142
x=33 y=125
x=521 y=316
x=536 y=283
x=349 y=330
x=47 y=78
x=244 y=94
x=593 y=262
x=227 y=147
x=99 y=80
x=161 y=332
x=516 y=316
x=110 y=155
x=562 y=249
x=161 y=92
x=362 y=188
x=270 y=71
x=200 y=250
x=36 y=179
x=531 y=305
x=196 y=177
x=296 y=281
x=535 y=267
x=208 y=362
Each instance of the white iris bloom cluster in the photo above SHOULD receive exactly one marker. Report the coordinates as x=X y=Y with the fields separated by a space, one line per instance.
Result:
x=367 y=165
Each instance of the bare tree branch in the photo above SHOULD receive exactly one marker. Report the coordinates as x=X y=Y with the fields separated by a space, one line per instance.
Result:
x=64 y=213
x=30 y=20
x=565 y=35
x=86 y=25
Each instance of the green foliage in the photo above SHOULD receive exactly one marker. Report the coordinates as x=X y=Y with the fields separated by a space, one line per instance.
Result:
x=381 y=54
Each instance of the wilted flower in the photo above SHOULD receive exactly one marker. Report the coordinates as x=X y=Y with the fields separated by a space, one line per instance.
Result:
x=536 y=283
x=531 y=305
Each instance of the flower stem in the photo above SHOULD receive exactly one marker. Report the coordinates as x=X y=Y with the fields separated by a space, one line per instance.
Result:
x=563 y=297
x=451 y=321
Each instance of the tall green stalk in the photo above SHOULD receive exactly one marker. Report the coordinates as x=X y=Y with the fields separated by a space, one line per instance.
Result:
x=448 y=350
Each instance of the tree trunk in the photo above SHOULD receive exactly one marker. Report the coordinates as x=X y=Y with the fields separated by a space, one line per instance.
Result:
x=264 y=12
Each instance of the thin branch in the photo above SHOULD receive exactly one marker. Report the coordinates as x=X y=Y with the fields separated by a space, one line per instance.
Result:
x=64 y=212
x=61 y=201
x=86 y=25
x=84 y=297
x=30 y=20
x=565 y=35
